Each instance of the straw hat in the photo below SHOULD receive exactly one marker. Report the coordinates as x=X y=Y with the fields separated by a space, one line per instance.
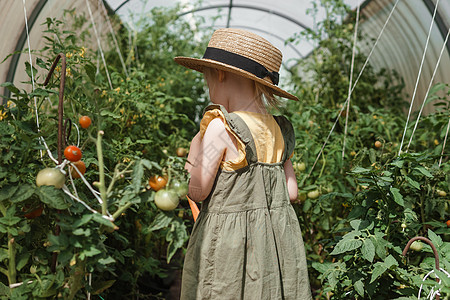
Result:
x=243 y=53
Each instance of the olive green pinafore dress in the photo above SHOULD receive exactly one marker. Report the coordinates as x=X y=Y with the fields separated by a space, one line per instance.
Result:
x=246 y=242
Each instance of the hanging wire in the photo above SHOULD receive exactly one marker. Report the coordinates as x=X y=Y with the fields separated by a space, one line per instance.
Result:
x=113 y=34
x=445 y=141
x=354 y=85
x=351 y=77
x=99 y=43
x=418 y=76
x=429 y=87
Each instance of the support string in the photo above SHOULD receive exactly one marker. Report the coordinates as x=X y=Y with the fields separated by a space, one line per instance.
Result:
x=429 y=87
x=354 y=85
x=418 y=76
x=444 y=143
x=114 y=37
x=351 y=78
x=99 y=43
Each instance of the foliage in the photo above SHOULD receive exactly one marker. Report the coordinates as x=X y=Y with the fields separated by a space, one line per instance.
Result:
x=140 y=117
x=358 y=207
x=360 y=203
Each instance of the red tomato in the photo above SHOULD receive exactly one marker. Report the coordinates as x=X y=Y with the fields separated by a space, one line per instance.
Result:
x=157 y=182
x=72 y=153
x=85 y=122
x=80 y=166
x=34 y=213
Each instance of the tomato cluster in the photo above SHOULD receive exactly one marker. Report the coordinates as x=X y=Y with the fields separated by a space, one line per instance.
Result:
x=167 y=198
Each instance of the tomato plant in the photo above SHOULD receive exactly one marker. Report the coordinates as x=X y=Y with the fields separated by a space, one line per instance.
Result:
x=85 y=122
x=73 y=153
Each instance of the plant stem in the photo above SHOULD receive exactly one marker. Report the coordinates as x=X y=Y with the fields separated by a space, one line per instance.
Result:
x=422 y=214
x=117 y=175
x=4 y=271
x=12 y=259
x=121 y=209
x=101 y=169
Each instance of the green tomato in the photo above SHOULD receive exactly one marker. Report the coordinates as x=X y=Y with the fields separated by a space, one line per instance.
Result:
x=301 y=166
x=313 y=194
x=181 y=188
x=416 y=245
x=50 y=176
x=166 y=199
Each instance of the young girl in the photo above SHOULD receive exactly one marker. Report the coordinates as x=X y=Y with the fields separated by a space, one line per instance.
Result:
x=246 y=242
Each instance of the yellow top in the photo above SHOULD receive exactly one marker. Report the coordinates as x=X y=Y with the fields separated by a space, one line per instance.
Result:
x=265 y=131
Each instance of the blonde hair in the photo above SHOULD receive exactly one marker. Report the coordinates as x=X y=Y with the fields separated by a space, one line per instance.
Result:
x=265 y=95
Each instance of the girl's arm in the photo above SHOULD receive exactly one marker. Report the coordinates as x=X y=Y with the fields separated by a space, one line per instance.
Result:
x=291 y=180
x=205 y=156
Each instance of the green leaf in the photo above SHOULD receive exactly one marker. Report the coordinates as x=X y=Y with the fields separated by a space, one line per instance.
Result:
x=424 y=171
x=91 y=252
x=162 y=220
x=176 y=239
x=347 y=243
x=28 y=70
x=41 y=63
x=109 y=114
x=359 y=170
x=11 y=87
x=99 y=287
x=105 y=261
x=83 y=220
x=90 y=71
x=412 y=182
x=10 y=219
x=379 y=269
x=368 y=250
x=398 y=163
x=398 y=198
x=3 y=254
x=390 y=261
x=128 y=252
x=24 y=192
x=359 y=287
x=435 y=239
x=150 y=164
x=22 y=260
x=81 y=231
x=7 y=192
x=144 y=141
x=100 y=219
x=355 y=224
x=52 y=197
x=138 y=173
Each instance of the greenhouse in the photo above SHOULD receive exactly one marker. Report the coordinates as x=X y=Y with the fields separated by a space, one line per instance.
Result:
x=238 y=149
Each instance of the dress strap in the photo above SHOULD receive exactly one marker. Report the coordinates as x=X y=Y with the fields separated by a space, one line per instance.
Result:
x=288 y=134
x=240 y=128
